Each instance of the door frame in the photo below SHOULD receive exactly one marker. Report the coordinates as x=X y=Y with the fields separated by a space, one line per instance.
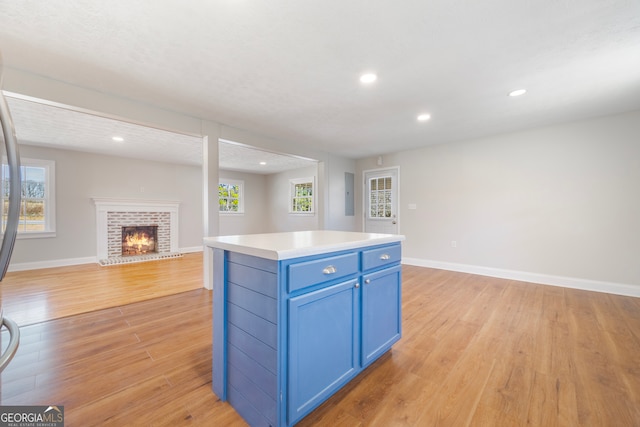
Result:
x=364 y=193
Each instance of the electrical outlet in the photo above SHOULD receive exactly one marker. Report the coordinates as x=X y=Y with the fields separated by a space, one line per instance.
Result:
x=454 y=244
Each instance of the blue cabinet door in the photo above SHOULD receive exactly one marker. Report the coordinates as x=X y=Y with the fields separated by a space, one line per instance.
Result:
x=323 y=349
x=381 y=312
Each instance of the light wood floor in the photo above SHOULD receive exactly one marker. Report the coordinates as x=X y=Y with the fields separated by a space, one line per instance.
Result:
x=476 y=351
x=51 y=293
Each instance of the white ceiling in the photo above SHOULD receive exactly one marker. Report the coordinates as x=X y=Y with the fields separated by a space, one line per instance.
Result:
x=238 y=157
x=289 y=70
x=46 y=125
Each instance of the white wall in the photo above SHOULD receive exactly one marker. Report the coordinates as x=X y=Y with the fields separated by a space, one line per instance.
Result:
x=335 y=218
x=267 y=202
x=255 y=203
x=560 y=202
x=277 y=217
x=82 y=176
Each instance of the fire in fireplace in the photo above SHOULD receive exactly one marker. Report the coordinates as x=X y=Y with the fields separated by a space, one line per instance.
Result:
x=139 y=240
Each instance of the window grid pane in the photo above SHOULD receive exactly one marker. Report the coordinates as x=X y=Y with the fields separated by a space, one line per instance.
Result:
x=34 y=198
x=32 y=215
x=229 y=197
x=380 y=197
x=302 y=200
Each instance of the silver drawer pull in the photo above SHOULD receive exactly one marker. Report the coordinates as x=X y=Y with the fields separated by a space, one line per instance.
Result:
x=385 y=257
x=329 y=270
x=367 y=281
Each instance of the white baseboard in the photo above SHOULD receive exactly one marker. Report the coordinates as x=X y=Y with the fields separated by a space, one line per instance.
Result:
x=523 y=276
x=51 y=263
x=192 y=249
x=74 y=261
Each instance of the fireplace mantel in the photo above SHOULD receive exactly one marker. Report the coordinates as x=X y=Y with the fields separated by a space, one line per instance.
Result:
x=106 y=205
x=135 y=205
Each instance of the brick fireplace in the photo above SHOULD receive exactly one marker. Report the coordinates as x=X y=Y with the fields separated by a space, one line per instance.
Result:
x=115 y=216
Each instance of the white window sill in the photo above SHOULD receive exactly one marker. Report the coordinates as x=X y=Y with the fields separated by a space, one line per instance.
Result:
x=36 y=235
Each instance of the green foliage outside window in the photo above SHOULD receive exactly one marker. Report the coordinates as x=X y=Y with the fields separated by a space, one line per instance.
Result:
x=229 y=197
x=302 y=200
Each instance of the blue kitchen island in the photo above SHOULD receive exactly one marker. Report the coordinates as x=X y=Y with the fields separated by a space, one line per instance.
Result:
x=297 y=315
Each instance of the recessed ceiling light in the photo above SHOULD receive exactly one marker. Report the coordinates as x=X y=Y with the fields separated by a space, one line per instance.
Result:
x=263 y=163
x=118 y=138
x=424 y=117
x=518 y=92
x=368 y=78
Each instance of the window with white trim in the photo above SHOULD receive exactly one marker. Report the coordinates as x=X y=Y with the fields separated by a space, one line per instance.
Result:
x=230 y=196
x=37 y=204
x=302 y=196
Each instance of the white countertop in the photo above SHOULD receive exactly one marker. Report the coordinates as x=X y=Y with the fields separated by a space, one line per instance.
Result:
x=279 y=246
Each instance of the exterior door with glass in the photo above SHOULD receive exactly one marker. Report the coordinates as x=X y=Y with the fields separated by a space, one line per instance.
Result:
x=381 y=201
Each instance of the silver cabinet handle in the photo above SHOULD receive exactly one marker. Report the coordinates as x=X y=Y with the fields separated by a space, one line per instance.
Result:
x=385 y=257
x=330 y=269
x=357 y=285
x=367 y=281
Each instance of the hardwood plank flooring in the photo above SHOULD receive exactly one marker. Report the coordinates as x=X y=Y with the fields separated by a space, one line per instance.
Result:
x=476 y=351
x=38 y=295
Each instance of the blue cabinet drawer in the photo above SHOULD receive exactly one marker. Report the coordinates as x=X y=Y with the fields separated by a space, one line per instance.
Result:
x=304 y=274
x=379 y=257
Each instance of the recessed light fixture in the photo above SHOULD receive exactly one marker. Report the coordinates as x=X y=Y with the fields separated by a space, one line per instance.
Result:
x=368 y=78
x=424 y=117
x=263 y=163
x=118 y=138
x=518 y=92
